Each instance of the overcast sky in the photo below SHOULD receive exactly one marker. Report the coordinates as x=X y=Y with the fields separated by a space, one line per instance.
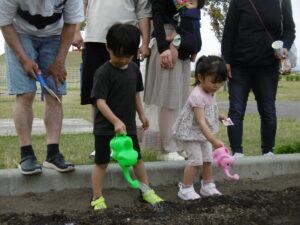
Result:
x=210 y=43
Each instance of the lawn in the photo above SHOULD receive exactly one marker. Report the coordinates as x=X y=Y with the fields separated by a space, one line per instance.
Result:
x=76 y=147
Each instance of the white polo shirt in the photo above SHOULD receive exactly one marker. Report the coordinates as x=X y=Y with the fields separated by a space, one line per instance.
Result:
x=102 y=14
x=72 y=13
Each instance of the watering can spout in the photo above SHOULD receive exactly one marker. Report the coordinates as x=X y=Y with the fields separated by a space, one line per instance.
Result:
x=234 y=177
x=133 y=183
x=126 y=156
x=223 y=159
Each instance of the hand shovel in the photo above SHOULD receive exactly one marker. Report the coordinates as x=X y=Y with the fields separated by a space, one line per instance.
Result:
x=43 y=85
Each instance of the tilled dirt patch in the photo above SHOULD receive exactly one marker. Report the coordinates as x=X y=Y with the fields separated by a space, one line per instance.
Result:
x=270 y=201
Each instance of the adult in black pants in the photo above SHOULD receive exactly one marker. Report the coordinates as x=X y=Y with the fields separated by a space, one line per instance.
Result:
x=246 y=47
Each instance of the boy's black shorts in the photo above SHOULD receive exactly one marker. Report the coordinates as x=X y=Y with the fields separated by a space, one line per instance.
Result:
x=102 y=148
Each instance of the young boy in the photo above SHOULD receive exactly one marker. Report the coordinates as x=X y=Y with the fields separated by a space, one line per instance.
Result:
x=116 y=89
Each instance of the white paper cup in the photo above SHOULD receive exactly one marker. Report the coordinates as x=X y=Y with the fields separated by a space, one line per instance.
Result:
x=278 y=47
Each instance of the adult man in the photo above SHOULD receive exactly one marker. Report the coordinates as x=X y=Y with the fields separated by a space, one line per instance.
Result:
x=38 y=34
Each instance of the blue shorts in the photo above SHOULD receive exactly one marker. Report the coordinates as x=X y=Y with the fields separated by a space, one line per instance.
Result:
x=43 y=51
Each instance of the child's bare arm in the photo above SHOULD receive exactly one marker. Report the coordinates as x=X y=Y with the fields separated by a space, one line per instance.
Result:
x=110 y=116
x=222 y=117
x=171 y=36
x=200 y=117
x=140 y=111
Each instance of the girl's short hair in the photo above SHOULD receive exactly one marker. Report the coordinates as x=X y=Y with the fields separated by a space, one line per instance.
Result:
x=211 y=66
x=123 y=39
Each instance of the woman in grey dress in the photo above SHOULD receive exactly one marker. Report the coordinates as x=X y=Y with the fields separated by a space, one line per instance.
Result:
x=167 y=82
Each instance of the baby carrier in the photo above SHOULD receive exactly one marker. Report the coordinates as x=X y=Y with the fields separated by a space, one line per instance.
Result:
x=188 y=27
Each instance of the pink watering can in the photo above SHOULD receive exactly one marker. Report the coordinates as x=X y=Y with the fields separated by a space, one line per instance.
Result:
x=223 y=159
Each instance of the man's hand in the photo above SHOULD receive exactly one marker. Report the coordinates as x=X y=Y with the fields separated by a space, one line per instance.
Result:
x=30 y=67
x=59 y=73
x=144 y=52
x=119 y=127
x=78 y=41
x=166 y=59
x=145 y=122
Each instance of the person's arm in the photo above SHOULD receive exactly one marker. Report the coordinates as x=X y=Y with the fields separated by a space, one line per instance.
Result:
x=144 y=25
x=171 y=36
x=200 y=118
x=78 y=41
x=193 y=57
x=110 y=116
x=143 y=14
x=12 y=39
x=57 y=68
x=288 y=34
x=158 y=13
x=140 y=111
x=158 y=24
x=229 y=33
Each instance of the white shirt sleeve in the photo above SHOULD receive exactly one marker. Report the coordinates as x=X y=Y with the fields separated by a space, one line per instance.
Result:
x=8 y=9
x=73 y=12
x=143 y=9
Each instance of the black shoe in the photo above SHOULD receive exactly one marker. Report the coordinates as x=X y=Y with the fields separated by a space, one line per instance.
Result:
x=58 y=163
x=29 y=165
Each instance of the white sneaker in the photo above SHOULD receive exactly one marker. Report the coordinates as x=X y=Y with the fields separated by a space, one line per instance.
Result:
x=238 y=155
x=209 y=189
x=172 y=156
x=269 y=154
x=92 y=154
x=188 y=193
x=183 y=154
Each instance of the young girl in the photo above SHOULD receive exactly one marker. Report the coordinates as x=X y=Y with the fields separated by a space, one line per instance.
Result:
x=196 y=125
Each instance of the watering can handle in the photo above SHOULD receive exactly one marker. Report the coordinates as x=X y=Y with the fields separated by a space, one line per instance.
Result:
x=123 y=134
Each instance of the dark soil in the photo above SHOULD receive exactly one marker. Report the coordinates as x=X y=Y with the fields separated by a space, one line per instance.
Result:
x=270 y=201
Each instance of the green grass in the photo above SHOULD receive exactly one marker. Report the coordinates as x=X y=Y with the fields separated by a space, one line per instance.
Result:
x=76 y=147
x=287 y=90
x=288 y=131
x=71 y=107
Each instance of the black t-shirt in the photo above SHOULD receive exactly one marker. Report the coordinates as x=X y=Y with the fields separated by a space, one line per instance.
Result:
x=118 y=87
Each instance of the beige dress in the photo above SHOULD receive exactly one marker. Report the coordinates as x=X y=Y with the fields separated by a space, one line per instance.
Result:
x=168 y=88
x=166 y=91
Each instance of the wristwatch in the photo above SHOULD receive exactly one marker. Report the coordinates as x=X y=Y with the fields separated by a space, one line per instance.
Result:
x=176 y=41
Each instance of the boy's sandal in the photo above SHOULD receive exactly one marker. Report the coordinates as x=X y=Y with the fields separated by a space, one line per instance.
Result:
x=151 y=197
x=98 y=204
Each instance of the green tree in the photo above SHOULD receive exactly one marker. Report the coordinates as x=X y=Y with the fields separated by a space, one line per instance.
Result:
x=217 y=10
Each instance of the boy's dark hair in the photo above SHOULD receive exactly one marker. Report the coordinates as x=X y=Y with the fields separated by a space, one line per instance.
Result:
x=123 y=39
x=211 y=66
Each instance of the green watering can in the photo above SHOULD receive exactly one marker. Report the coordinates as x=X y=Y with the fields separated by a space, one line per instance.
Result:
x=126 y=156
